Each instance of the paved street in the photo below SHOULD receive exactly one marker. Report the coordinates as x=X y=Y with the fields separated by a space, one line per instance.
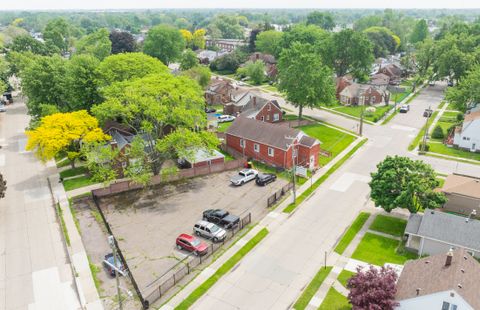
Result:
x=34 y=273
x=274 y=273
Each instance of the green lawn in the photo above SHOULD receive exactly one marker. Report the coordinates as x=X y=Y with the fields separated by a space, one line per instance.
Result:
x=389 y=225
x=271 y=88
x=73 y=172
x=356 y=111
x=451 y=106
x=226 y=267
x=284 y=174
x=440 y=181
x=419 y=136
x=378 y=250
x=440 y=148
x=222 y=127
x=335 y=301
x=352 y=232
x=333 y=140
x=77 y=183
x=290 y=117
x=312 y=288
x=344 y=276
x=227 y=156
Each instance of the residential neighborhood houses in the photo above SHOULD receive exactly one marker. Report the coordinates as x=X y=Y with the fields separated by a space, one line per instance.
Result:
x=239 y=158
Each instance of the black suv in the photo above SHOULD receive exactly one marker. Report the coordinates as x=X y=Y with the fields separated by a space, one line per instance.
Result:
x=265 y=178
x=221 y=218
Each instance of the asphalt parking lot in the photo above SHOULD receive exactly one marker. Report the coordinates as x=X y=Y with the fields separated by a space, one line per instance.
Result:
x=146 y=223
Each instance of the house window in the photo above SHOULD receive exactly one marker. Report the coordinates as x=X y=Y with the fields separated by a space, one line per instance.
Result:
x=445 y=306
x=256 y=147
x=269 y=108
x=276 y=117
x=263 y=118
x=373 y=99
x=268 y=117
x=271 y=152
x=453 y=307
x=242 y=143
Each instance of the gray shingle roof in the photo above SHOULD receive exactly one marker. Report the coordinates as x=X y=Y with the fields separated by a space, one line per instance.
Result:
x=447 y=227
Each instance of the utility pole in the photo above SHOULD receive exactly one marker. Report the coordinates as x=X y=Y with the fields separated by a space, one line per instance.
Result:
x=293 y=166
x=425 y=133
x=111 y=242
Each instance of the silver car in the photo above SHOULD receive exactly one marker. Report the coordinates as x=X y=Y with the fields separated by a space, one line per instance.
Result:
x=210 y=231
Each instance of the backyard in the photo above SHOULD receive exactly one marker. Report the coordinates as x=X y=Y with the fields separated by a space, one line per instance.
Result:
x=332 y=140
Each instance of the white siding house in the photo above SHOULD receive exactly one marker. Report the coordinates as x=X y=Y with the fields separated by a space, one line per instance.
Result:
x=448 y=300
x=468 y=135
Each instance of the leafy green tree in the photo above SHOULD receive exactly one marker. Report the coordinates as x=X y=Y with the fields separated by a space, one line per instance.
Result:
x=228 y=26
x=425 y=56
x=310 y=34
x=269 y=42
x=101 y=161
x=81 y=82
x=201 y=74
x=367 y=22
x=350 y=52
x=97 y=44
x=228 y=63
x=420 y=32
x=43 y=81
x=122 y=42
x=17 y=62
x=154 y=104
x=121 y=67
x=384 y=41
x=438 y=132
x=304 y=78
x=26 y=43
x=165 y=43
x=189 y=60
x=451 y=60
x=255 y=71
x=467 y=91
x=322 y=19
x=401 y=182
x=57 y=34
x=139 y=168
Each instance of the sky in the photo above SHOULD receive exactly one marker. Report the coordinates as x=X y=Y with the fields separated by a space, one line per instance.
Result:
x=142 y=4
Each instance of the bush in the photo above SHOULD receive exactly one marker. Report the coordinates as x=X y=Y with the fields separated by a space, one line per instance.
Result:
x=460 y=117
x=423 y=148
x=438 y=133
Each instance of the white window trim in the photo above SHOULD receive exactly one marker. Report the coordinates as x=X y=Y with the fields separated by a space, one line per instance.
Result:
x=242 y=143
x=271 y=152
x=256 y=147
x=276 y=117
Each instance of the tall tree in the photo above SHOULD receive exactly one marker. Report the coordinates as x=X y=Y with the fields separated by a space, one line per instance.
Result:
x=228 y=25
x=351 y=52
x=425 y=56
x=374 y=288
x=200 y=74
x=63 y=133
x=254 y=70
x=304 y=78
x=322 y=19
x=310 y=34
x=384 y=41
x=26 y=43
x=151 y=106
x=269 y=42
x=401 y=182
x=121 y=67
x=122 y=42
x=81 y=82
x=165 y=43
x=467 y=91
x=57 y=33
x=97 y=44
x=198 y=39
x=420 y=32
x=188 y=60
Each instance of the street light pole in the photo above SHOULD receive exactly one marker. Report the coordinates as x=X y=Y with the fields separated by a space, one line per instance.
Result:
x=425 y=133
x=111 y=242
x=293 y=166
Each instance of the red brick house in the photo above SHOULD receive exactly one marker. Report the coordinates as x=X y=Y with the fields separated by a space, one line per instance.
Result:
x=269 y=61
x=251 y=105
x=272 y=144
x=341 y=83
x=219 y=92
x=380 y=79
x=393 y=71
x=364 y=94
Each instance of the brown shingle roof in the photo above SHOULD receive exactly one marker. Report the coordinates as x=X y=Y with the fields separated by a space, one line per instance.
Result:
x=263 y=132
x=430 y=275
x=462 y=185
x=472 y=116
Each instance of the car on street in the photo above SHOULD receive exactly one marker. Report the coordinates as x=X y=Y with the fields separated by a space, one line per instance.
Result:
x=404 y=108
x=191 y=244
x=2 y=108
x=265 y=178
x=209 y=230
x=110 y=264
x=225 y=118
x=431 y=83
x=210 y=110
x=244 y=176
x=221 y=218
x=427 y=113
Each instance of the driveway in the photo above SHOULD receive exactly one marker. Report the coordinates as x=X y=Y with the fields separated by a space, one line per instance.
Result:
x=146 y=223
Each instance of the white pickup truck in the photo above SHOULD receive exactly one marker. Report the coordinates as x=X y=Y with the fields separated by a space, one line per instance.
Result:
x=244 y=176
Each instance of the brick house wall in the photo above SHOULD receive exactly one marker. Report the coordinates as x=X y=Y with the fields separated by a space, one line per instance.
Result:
x=304 y=154
x=209 y=162
x=269 y=112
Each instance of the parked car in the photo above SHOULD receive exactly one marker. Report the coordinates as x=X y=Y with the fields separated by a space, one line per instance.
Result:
x=265 y=178
x=244 y=176
x=431 y=83
x=2 y=108
x=210 y=231
x=221 y=218
x=210 y=110
x=450 y=83
x=109 y=264
x=427 y=113
x=225 y=118
x=404 y=108
x=191 y=244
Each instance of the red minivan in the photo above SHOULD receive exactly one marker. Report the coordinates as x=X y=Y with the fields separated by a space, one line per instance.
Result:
x=191 y=244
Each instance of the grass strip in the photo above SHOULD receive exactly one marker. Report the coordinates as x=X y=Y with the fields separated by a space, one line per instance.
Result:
x=419 y=136
x=312 y=288
x=62 y=222
x=73 y=172
x=322 y=179
x=75 y=183
x=226 y=267
x=344 y=276
x=352 y=232
x=335 y=300
x=389 y=225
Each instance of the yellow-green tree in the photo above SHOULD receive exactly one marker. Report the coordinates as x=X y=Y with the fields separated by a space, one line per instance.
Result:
x=199 y=38
x=187 y=36
x=63 y=134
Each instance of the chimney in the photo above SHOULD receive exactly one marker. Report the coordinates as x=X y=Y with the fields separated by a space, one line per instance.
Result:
x=448 y=261
x=418 y=291
x=254 y=102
